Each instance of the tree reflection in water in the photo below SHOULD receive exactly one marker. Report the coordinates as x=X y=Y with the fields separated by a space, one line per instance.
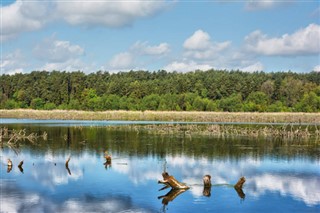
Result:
x=294 y=167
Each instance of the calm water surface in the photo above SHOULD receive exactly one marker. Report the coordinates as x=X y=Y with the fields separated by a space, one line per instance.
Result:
x=281 y=176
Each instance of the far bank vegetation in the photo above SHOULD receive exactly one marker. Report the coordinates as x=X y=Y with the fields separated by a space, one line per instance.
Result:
x=212 y=90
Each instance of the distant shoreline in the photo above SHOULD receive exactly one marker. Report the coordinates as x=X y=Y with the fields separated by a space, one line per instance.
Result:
x=194 y=116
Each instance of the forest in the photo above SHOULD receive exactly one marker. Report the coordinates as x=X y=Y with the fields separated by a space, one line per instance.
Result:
x=212 y=90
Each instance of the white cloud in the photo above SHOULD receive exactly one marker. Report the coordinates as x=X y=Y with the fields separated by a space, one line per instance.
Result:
x=145 y=49
x=107 y=13
x=186 y=66
x=57 y=51
x=123 y=60
x=200 y=40
x=304 y=41
x=258 y=66
x=13 y=63
x=264 y=4
x=23 y=16
x=130 y=60
x=60 y=55
x=317 y=68
x=69 y=65
x=200 y=46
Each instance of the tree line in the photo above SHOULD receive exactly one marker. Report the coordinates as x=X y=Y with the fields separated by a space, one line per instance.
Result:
x=212 y=90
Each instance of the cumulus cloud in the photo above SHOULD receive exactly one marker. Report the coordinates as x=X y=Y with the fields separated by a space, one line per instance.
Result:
x=107 y=13
x=200 y=46
x=124 y=60
x=130 y=60
x=13 y=63
x=258 y=66
x=316 y=68
x=182 y=66
x=59 y=55
x=198 y=41
x=144 y=48
x=69 y=65
x=22 y=16
x=57 y=51
x=302 y=42
x=253 y=5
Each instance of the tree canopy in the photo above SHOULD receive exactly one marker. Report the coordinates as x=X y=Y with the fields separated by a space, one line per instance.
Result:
x=212 y=90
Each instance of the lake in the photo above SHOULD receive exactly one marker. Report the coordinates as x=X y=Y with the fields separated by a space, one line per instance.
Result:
x=281 y=176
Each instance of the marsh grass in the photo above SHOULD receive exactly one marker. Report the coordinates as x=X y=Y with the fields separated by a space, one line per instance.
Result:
x=282 y=132
x=13 y=138
x=227 y=117
x=293 y=125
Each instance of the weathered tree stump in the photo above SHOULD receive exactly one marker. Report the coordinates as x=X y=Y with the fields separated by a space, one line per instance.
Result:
x=207 y=181
x=67 y=165
x=240 y=183
x=172 y=182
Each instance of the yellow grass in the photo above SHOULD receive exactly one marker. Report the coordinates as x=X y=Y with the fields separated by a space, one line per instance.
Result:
x=164 y=116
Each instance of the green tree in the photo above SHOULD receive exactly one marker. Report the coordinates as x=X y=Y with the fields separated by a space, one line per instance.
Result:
x=232 y=103
x=111 y=102
x=268 y=88
x=37 y=103
x=150 y=102
x=291 y=91
x=200 y=104
x=169 y=102
x=49 y=106
x=256 y=102
x=309 y=103
x=11 y=104
x=278 y=106
x=212 y=106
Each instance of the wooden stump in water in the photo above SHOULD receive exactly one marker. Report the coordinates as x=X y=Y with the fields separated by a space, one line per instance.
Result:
x=207 y=186
x=9 y=162
x=67 y=165
x=172 y=182
x=207 y=181
x=240 y=183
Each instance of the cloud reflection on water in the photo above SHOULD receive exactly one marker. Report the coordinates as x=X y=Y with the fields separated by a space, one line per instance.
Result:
x=261 y=175
x=13 y=199
x=295 y=179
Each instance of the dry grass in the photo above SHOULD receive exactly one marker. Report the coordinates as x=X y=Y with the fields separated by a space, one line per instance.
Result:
x=311 y=118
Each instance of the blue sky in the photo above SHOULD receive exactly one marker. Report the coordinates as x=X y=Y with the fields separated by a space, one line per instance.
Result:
x=178 y=36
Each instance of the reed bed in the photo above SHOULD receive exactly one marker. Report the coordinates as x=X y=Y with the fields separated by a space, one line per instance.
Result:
x=13 y=138
x=226 y=117
x=283 y=132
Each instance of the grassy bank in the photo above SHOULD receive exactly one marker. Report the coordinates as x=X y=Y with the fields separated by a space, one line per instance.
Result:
x=313 y=118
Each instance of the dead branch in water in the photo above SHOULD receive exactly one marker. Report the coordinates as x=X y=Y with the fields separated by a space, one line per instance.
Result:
x=12 y=138
x=238 y=187
x=240 y=183
x=172 y=182
x=67 y=165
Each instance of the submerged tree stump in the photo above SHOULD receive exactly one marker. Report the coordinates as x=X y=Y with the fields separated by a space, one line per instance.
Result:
x=240 y=183
x=172 y=182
